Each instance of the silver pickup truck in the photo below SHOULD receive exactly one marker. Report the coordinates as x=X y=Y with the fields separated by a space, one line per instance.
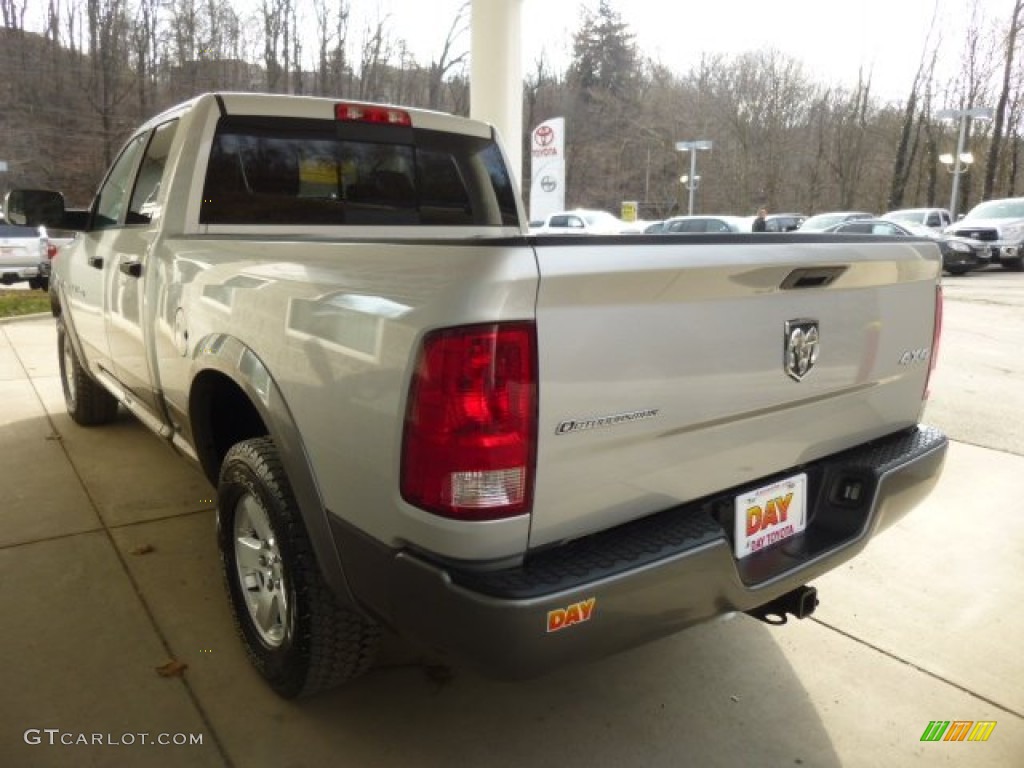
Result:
x=520 y=451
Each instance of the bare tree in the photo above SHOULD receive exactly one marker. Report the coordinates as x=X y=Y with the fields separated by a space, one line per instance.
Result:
x=971 y=89
x=449 y=58
x=274 y=22
x=910 y=131
x=13 y=13
x=376 y=55
x=992 y=164
x=331 y=40
x=145 y=50
x=849 y=139
x=107 y=82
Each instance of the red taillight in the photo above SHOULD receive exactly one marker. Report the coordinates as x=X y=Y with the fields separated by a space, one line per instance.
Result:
x=471 y=423
x=367 y=113
x=51 y=251
x=936 y=338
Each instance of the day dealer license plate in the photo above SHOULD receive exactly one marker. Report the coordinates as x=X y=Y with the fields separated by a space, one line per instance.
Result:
x=770 y=515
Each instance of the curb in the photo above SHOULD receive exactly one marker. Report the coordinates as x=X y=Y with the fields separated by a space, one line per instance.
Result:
x=23 y=318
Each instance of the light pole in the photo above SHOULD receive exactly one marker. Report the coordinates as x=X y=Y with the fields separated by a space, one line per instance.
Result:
x=961 y=162
x=690 y=183
x=692 y=147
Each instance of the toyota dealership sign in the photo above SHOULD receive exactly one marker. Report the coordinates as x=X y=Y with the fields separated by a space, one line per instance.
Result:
x=547 y=152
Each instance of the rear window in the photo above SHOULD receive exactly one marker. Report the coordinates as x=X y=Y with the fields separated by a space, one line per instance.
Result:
x=11 y=230
x=319 y=172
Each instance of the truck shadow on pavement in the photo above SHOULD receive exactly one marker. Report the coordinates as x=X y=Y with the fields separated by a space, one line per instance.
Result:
x=109 y=568
x=124 y=575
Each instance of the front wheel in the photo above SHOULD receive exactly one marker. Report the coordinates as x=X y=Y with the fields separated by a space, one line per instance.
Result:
x=296 y=633
x=87 y=402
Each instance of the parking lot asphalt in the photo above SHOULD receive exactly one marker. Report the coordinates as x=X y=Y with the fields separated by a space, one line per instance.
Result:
x=108 y=570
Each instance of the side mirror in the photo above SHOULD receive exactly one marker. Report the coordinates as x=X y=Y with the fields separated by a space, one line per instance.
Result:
x=35 y=207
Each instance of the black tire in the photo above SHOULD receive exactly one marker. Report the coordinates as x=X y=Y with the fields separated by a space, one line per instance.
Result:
x=88 y=403
x=37 y=284
x=958 y=272
x=1014 y=265
x=307 y=641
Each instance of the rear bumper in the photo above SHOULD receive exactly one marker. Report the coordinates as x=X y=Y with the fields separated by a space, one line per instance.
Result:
x=977 y=258
x=11 y=275
x=641 y=581
x=1005 y=250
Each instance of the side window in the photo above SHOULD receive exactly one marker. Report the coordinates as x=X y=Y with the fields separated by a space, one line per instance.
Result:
x=147 y=186
x=112 y=199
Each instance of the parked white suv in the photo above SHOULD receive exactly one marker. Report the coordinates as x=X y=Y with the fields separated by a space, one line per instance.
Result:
x=999 y=224
x=582 y=222
x=22 y=249
x=933 y=218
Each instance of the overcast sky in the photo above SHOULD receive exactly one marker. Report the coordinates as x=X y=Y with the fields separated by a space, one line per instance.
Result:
x=832 y=37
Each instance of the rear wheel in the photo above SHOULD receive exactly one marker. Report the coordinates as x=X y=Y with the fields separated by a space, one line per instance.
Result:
x=88 y=403
x=296 y=633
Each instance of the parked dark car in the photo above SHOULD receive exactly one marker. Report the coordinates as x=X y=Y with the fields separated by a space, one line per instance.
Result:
x=960 y=255
x=703 y=225
x=783 y=222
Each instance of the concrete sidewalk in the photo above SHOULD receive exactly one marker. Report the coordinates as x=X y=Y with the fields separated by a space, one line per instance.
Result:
x=108 y=569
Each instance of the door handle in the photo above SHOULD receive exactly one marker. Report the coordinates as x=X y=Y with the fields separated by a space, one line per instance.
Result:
x=130 y=268
x=95 y=262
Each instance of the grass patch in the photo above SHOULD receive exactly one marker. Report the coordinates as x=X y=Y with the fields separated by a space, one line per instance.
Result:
x=18 y=303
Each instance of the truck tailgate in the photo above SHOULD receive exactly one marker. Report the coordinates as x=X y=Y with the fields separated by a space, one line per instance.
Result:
x=674 y=368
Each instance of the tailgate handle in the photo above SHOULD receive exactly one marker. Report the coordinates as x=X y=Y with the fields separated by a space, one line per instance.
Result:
x=811 y=277
x=95 y=261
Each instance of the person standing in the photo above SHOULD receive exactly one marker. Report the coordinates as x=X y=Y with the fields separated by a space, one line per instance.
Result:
x=759 y=223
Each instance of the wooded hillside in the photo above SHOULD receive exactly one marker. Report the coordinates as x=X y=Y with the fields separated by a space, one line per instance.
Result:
x=77 y=75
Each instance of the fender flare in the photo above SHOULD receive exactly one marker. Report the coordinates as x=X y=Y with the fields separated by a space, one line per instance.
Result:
x=231 y=358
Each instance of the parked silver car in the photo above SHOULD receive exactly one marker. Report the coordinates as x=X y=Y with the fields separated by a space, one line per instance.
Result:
x=22 y=249
x=823 y=221
x=933 y=218
x=1000 y=225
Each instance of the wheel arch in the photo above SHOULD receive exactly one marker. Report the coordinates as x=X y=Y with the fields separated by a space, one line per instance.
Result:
x=234 y=397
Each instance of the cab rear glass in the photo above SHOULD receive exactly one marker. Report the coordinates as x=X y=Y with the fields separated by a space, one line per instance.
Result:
x=285 y=171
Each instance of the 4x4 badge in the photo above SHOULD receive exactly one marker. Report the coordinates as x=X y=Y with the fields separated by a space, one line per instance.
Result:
x=801 y=347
